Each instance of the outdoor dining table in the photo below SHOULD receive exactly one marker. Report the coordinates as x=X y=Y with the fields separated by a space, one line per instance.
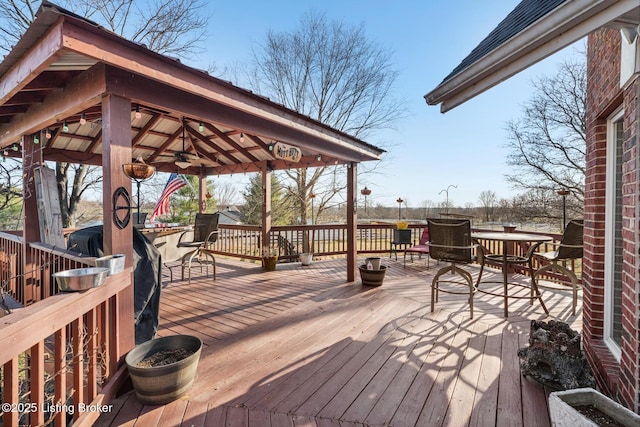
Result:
x=507 y=239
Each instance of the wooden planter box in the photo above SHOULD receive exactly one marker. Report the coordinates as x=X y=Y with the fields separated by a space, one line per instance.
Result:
x=563 y=413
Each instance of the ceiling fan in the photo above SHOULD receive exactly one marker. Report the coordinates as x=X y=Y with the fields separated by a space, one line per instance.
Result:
x=184 y=158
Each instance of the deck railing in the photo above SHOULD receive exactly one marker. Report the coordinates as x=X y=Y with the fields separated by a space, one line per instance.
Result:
x=26 y=275
x=243 y=241
x=58 y=352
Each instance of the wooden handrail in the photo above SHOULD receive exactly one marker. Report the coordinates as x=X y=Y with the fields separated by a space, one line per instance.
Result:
x=53 y=314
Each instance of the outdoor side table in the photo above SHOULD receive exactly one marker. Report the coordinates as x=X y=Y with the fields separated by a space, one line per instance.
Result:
x=400 y=238
x=506 y=259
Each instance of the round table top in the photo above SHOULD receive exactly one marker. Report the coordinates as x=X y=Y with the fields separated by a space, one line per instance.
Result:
x=511 y=237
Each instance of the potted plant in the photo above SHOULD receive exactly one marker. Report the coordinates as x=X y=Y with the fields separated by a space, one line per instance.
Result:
x=306 y=258
x=587 y=406
x=269 y=258
x=306 y=252
x=370 y=275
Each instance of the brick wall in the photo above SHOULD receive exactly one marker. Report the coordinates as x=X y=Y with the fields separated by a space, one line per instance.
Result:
x=604 y=96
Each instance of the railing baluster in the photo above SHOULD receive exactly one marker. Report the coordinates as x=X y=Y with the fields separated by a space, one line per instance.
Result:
x=10 y=392
x=92 y=350
x=36 y=377
x=77 y=329
x=60 y=373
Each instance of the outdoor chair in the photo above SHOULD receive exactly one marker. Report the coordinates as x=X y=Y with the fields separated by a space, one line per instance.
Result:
x=205 y=233
x=450 y=241
x=422 y=248
x=570 y=248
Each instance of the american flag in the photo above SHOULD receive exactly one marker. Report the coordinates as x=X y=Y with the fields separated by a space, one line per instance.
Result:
x=174 y=183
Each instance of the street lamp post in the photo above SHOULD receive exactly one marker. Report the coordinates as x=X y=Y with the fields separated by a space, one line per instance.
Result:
x=365 y=192
x=446 y=191
x=564 y=193
x=399 y=207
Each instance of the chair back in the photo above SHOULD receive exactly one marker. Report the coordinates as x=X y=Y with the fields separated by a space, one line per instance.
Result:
x=571 y=245
x=450 y=239
x=204 y=225
x=424 y=239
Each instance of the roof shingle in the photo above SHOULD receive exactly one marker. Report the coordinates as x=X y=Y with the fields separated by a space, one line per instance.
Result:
x=525 y=14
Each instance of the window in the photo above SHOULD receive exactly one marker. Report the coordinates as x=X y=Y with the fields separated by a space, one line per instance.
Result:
x=613 y=235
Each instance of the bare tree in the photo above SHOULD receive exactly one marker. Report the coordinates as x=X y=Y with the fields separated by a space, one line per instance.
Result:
x=173 y=27
x=10 y=192
x=547 y=145
x=488 y=202
x=225 y=194
x=332 y=73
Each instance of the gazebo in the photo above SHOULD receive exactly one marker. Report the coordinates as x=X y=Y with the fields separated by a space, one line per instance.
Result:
x=93 y=97
x=71 y=91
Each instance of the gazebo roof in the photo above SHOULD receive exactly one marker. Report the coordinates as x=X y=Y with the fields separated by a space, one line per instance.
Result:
x=54 y=79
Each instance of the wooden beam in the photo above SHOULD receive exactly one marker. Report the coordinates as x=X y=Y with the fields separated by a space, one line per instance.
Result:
x=231 y=142
x=26 y=98
x=32 y=63
x=210 y=144
x=142 y=132
x=49 y=80
x=81 y=93
x=164 y=145
x=12 y=110
x=95 y=141
x=56 y=155
x=263 y=145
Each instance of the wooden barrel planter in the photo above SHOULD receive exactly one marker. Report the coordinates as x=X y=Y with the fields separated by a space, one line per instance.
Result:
x=158 y=385
x=372 y=277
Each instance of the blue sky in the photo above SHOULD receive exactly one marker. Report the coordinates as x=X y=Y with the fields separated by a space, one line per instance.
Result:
x=429 y=151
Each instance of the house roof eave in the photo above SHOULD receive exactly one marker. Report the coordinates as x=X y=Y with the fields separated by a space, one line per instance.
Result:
x=560 y=28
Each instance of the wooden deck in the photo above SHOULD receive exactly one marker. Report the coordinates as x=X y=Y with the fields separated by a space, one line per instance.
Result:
x=300 y=347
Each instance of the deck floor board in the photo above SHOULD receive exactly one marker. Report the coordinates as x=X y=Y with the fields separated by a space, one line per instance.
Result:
x=300 y=347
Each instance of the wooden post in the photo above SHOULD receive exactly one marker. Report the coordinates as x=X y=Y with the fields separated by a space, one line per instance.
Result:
x=266 y=207
x=352 y=222
x=116 y=151
x=31 y=228
x=202 y=193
